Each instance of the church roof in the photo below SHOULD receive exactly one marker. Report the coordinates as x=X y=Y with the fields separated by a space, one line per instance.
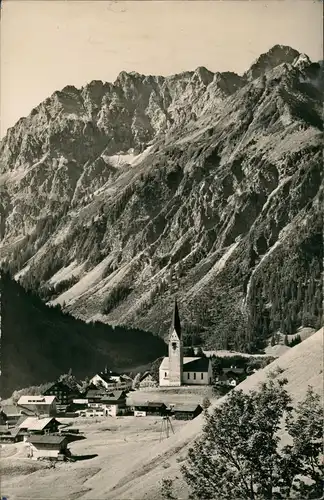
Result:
x=190 y=364
x=196 y=365
x=176 y=325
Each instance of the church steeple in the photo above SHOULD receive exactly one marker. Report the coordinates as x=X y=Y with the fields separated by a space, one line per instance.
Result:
x=175 y=349
x=176 y=325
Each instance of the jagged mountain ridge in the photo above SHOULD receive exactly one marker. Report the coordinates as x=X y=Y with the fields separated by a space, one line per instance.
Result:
x=192 y=184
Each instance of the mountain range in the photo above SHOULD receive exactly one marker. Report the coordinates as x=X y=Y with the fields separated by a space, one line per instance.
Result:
x=119 y=197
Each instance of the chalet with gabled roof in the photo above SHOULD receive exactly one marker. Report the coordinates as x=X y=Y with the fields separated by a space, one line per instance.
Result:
x=63 y=393
x=47 y=446
x=147 y=380
x=39 y=405
x=150 y=408
x=111 y=381
x=186 y=411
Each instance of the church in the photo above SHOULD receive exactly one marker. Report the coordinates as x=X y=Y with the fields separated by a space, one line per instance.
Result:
x=176 y=370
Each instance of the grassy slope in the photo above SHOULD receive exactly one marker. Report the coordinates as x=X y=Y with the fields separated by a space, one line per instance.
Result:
x=303 y=366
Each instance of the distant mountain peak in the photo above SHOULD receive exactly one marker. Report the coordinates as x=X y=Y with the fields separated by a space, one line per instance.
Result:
x=278 y=54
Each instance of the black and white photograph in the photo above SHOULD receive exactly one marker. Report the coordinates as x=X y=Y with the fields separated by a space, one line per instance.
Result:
x=161 y=250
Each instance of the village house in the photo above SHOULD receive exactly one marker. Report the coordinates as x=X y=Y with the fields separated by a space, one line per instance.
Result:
x=123 y=381
x=111 y=381
x=14 y=412
x=35 y=425
x=186 y=411
x=226 y=380
x=93 y=396
x=147 y=380
x=150 y=408
x=48 y=446
x=63 y=393
x=39 y=405
x=234 y=370
x=114 y=403
x=176 y=370
x=9 y=436
x=79 y=404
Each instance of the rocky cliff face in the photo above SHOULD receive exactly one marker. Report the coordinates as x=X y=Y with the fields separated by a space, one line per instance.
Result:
x=117 y=197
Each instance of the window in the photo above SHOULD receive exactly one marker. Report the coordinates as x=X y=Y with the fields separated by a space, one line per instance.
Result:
x=165 y=374
x=188 y=375
x=174 y=345
x=194 y=376
x=202 y=376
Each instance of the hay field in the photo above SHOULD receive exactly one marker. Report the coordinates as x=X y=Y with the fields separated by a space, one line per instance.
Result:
x=171 y=395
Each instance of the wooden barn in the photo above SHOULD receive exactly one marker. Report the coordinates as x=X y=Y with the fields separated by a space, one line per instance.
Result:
x=186 y=411
x=149 y=408
x=47 y=446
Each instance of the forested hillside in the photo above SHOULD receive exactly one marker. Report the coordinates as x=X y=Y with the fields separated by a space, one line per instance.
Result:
x=39 y=343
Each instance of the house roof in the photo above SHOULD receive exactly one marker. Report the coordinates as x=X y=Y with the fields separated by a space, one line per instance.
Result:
x=35 y=424
x=47 y=439
x=35 y=400
x=190 y=364
x=234 y=370
x=186 y=407
x=113 y=396
x=11 y=410
x=150 y=404
x=106 y=376
x=197 y=365
x=146 y=375
x=165 y=362
x=21 y=419
x=62 y=386
x=15 y=431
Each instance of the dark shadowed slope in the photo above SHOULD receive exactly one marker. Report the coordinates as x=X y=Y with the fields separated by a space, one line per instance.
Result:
x=39 y=343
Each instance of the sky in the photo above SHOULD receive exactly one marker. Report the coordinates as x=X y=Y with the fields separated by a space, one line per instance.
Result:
x=46 y=45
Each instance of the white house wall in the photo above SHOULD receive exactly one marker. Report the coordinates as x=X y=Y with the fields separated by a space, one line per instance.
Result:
x=37 y=453
x=112 y=410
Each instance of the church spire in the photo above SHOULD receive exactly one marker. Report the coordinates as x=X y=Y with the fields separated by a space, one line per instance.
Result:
x=176 y=326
